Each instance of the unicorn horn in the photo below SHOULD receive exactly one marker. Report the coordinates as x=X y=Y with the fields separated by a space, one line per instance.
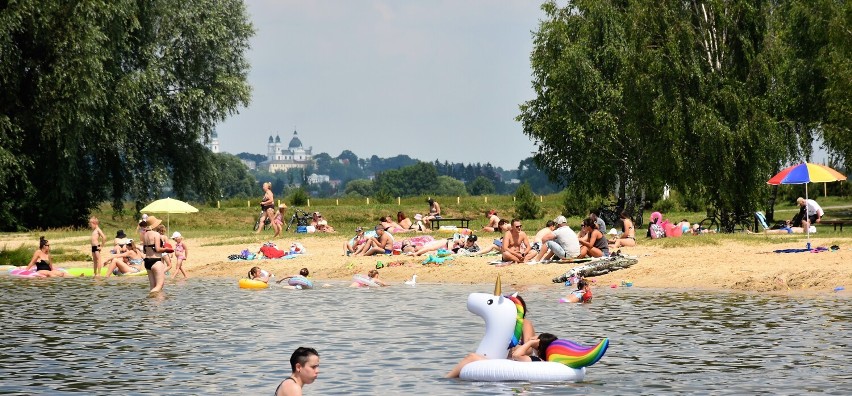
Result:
x=497 y=287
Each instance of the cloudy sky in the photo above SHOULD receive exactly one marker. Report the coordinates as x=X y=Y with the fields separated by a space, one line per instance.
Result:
x=431 y=79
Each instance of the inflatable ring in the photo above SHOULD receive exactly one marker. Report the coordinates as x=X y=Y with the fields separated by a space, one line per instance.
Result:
x=300 y=282
x=364 y=280
x=20 y=272
x=252 y=284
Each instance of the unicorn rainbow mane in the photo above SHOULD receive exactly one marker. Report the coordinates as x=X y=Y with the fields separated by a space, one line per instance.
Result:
x=575 y=355
x=519 y=324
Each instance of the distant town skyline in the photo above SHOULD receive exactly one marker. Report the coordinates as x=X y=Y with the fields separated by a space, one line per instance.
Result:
x=432 y=80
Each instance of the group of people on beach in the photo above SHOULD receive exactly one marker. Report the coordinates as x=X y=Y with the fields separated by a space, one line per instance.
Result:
x=126 y=257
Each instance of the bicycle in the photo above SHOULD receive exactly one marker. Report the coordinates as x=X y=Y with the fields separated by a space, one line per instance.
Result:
x=300 y=218
x=736 y=222
x=611 y=213
x=266 y=222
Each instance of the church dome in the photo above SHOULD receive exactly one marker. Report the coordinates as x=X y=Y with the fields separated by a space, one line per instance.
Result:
x=277 y=139
x=295 y=142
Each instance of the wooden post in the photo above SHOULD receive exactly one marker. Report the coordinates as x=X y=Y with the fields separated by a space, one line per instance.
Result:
x=368 y=200
x=337 y=202
x=248 y=204
x=217 y=205
x=309 y=202
x=541 y=198
x=399 y=200
x=486 y=199
x=514 y=199
x=458 y=200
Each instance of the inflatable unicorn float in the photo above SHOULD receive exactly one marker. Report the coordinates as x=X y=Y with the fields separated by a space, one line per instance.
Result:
x=503 y=315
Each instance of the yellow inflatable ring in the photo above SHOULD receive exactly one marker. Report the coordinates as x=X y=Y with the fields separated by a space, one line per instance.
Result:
x=252 y=284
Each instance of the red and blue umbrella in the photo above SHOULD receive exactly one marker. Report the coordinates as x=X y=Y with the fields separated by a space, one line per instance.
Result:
x=805 y=173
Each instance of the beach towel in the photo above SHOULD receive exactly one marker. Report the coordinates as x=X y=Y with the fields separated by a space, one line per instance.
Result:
x=272 y=251
x=814 y=250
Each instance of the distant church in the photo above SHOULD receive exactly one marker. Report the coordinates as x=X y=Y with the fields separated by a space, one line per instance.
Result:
x=279 y=158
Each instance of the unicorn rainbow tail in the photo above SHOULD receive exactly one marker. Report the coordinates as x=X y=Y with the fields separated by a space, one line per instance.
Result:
x=575 y=355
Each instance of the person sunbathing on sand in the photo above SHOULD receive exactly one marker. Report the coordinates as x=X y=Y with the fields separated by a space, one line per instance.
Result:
x=787 y=229
x=493 y=221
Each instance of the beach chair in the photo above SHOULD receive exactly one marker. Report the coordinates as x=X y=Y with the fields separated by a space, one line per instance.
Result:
x=760 y=219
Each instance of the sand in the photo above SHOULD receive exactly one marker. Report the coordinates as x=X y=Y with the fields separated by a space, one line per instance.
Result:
x=725 y=264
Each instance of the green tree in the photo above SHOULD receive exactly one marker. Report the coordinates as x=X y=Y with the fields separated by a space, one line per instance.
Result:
x=448 y=186
x=481 y=186
x=113 y=100
x=359 y=187
x=526 y=205
x=233 y=177
x=633 y=95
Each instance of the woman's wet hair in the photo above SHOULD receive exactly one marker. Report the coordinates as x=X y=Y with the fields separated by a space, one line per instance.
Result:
x=400 y=216
x=42 y=242
x=544 y=341
x=254 y=272
x=623 y=215
x=581 y=284
x=301 y=356
x=373 y=273
x=304 y=272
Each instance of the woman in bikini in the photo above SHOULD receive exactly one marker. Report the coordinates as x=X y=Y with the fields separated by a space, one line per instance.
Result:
x=267 y=205
x=128 y=260
x=153 y=248
x=628 y=233
x=404 y=221
x=42 y=261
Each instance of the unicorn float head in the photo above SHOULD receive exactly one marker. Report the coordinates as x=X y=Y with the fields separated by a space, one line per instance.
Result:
x=501 y=320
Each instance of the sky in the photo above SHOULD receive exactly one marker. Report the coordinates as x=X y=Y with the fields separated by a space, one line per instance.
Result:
x=430 y=79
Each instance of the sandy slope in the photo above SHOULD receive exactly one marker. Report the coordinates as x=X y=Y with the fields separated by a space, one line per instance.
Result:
x=727 y=265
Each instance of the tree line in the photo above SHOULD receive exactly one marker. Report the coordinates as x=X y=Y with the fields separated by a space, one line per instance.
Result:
x=710 y=97
x=105 y=101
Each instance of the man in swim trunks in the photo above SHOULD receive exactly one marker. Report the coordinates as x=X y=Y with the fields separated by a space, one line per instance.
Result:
x=98 y=239
x=305 y=365
x=381 y=244
x=516 y=244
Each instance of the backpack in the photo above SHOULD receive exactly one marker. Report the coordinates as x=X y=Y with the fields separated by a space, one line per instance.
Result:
x=656 y=231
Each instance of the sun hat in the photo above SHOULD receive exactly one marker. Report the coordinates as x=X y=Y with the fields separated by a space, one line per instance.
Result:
x=283 y=206
x=152 y=222
x=120 y=234
x=176 y=235
x=612 y=231
x=418 y=217
x=560 y=220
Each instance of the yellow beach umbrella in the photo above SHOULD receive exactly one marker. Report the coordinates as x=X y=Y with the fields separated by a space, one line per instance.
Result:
x=169 y=206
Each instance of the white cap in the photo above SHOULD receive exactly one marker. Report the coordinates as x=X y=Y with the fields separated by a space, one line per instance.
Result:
x=144 y=217
x=176 y=235
x=560 y=220
x=613 y=232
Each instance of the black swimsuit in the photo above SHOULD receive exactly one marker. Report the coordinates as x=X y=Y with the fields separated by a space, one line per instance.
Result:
x=42 y=265
x=282 y=383
x=149 y=262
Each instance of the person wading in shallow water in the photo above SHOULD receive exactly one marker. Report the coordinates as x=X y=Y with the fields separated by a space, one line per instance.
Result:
x=305 y=365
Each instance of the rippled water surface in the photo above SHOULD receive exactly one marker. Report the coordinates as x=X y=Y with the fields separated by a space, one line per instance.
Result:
x=209 y=337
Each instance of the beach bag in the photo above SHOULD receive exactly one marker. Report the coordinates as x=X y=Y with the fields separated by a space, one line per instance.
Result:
x=656 y=231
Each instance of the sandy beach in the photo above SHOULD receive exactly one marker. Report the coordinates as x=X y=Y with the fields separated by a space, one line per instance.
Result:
x=718 y=263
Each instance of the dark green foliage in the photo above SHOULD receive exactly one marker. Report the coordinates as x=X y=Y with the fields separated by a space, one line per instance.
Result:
x=383 y=197
x=526 y=203
x=233 y=177
x=481 y=186
x=299 y=197
x=710 y=97
x=577 y=202
x=113 y=100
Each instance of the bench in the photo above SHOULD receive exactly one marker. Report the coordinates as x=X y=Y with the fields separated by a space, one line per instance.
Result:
x=836 y=223
x=463 y=223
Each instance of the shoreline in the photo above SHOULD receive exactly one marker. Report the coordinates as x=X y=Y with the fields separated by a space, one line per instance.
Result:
x=714 y=264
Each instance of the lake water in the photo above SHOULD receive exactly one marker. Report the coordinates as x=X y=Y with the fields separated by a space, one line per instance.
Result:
x=209 y=337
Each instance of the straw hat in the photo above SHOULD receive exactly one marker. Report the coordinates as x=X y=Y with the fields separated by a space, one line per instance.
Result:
x=153 y=222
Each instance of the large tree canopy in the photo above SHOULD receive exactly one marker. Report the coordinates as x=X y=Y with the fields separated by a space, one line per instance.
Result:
x=696 y=94
x=113 y=100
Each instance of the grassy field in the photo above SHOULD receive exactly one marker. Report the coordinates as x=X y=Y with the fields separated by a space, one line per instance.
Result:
x=233 y=221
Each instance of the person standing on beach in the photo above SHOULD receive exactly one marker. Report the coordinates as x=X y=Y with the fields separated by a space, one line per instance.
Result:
x=516 y=244
x=305 y=365
x=153 y=248
x=98 y=239
x=266 y=206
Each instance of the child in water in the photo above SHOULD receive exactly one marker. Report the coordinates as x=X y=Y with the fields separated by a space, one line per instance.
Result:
x=255 y=273
x=374 y=276
x=302 y=272
x=582 y=294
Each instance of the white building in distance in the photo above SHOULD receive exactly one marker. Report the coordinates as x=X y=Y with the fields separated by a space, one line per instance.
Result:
x=279 y=158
